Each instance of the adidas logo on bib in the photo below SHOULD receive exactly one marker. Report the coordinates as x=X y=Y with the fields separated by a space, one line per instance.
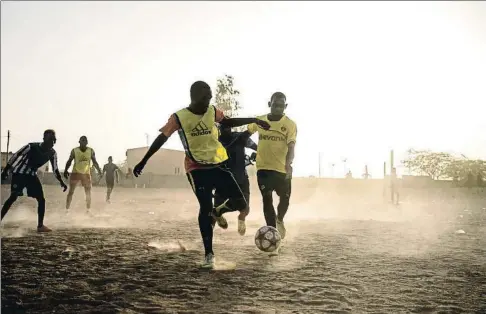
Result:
x=200 y=129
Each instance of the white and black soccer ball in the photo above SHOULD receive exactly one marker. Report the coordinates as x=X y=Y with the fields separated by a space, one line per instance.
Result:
x=267 y=239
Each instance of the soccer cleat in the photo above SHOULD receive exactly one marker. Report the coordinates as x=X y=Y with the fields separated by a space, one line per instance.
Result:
x=208 y=261
x=221 y=221
x=281 y=228
x=241 y=227
x=43 y=229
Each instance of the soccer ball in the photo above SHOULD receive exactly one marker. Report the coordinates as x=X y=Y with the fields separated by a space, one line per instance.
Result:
x=267 y=239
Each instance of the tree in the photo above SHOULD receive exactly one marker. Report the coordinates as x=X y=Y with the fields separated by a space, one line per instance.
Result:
x=226 y=98
x=434 y=164
x=443 y=165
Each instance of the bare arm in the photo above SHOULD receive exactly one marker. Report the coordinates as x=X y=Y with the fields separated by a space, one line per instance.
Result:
x=55 y=168
x=290 y=154
x=95 y=162
x=234 y=122
x=69 y=161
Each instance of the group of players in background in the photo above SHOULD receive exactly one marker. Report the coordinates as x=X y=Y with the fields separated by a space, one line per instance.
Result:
x=215 y=162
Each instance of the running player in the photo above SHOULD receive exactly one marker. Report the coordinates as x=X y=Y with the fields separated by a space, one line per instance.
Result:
x=274 y=160
x=205 y=160
x=82 y=156
x=235 y=144
x=24 y=165
x=111 y=171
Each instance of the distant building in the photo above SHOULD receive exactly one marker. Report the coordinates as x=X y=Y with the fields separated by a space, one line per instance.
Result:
x=5 y=158
x=164 y=162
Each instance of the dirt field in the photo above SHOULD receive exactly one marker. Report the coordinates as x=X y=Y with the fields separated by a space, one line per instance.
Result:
x=343 y=254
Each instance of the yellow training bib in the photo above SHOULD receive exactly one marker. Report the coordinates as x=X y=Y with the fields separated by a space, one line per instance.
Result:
x=82 y=160
x=199 y=136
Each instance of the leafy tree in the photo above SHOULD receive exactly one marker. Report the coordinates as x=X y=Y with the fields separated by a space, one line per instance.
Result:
x=226 y=98
x=434 y=164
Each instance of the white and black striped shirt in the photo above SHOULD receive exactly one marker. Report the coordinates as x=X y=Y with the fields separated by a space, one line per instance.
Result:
x=30 y=158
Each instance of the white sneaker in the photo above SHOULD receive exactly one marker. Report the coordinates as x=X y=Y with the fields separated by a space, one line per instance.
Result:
x=281 y=229
x=208 y=261
x=241 y=227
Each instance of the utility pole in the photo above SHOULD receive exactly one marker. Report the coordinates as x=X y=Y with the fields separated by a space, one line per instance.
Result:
x=147 y=138
x=8 y=145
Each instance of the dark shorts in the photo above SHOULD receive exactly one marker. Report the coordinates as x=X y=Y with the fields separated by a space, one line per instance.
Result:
x=270 y=181
x=110 y=182
x=31 y=183
x=219 y=179
x=85 y=179
x=244 y=185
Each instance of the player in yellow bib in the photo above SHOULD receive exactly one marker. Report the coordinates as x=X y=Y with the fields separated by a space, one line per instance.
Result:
x=82 y=157
x=275 y=156
x=205 y=160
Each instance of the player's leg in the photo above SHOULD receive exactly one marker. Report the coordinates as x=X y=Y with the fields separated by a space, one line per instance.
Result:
x=86 y=182
x=35 y=190
x=245 y=188
x=110 y=184
x=73 y=181
x=266 y=185
x=17 y=185
x=201 y=184
x=219 y=202
x=229 y=189
x=283 y=189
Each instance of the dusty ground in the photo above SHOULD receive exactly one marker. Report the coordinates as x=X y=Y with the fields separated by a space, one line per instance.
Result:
x=343 y=254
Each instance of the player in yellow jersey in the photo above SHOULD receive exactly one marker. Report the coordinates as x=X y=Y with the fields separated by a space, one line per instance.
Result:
x=275 y=156
x=82 y=156
x=205 y=160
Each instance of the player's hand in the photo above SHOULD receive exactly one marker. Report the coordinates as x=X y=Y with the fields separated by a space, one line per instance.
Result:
x=137 y=170
x=263 y=124
x=4 y=175
x=288 y=170
x=63 y=186
x=66 y=174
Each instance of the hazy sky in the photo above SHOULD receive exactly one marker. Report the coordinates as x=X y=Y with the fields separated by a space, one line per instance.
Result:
x=360 y=77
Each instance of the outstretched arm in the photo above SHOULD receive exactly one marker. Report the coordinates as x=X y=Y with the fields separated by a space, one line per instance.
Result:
x=156 y=145
x=234 y=122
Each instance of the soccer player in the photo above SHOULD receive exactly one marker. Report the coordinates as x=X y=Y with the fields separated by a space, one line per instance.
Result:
x=274 y=160
x=205 y=160
x=24 y=165
x=111 y=171
x=82 y=156
x=235 y=144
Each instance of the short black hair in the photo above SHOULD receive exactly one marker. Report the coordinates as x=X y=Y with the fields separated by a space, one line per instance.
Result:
x=197 y=86
x=278 y=95
x=49 y=131
x=110 y=157
x=83 y=137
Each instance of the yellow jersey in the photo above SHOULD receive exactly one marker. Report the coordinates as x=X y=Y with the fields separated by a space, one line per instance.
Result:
x=82 y=160
x=273 y=144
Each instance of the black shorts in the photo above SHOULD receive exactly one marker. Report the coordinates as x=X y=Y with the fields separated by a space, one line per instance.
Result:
x=31 y=183
x=270 y=181
x=110 y=182
x=244 y=185
x=217 y=179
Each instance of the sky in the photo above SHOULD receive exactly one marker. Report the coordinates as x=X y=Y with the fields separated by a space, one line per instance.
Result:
x=361 y=78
